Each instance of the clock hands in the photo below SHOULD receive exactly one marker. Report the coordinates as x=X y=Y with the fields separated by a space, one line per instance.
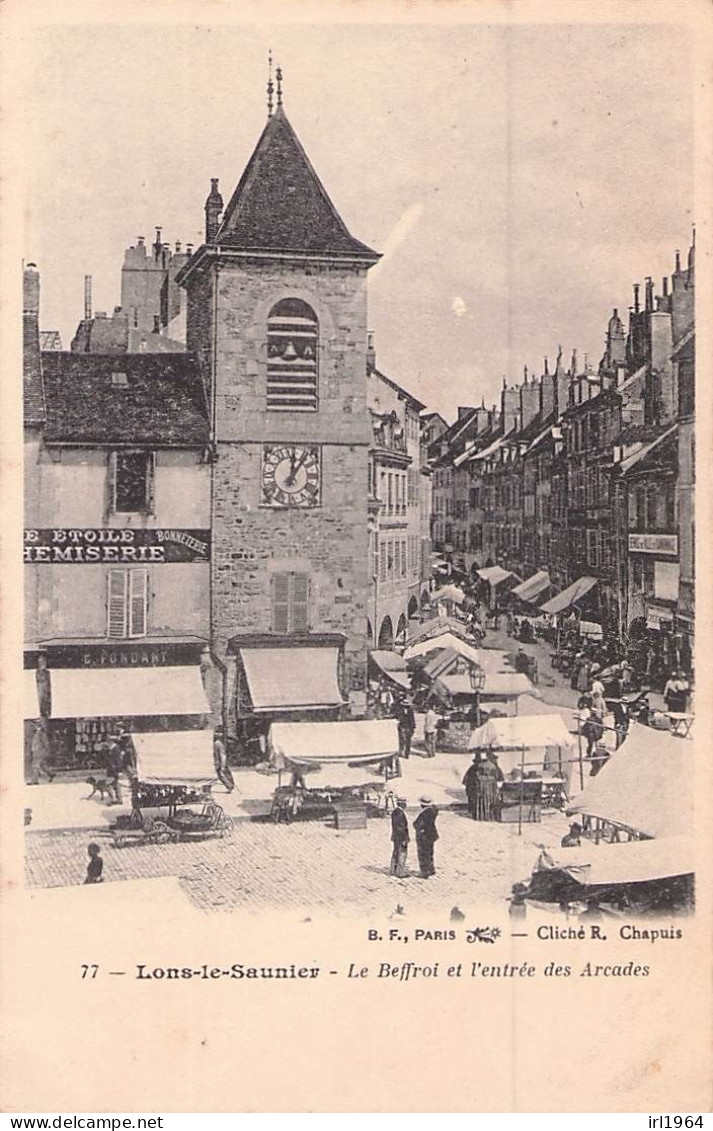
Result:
x=294 y=468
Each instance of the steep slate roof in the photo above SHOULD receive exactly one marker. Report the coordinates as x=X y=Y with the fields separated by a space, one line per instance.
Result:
x=32 y=392
x=281 y=205
x=413 y=401
x=162 y=404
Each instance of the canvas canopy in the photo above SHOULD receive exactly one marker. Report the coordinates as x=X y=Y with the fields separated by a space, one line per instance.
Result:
x=174 y=756
x=388 y=661
x=445 y=640
x=528 y=705
x=645 y=785
x=497 y=685
x=534 y=586
x=94 y=693
x=362 y=740
x=435 y=627
x=495 y=574
x=281 y=679
x=449 y=593
x=541 y=741
x=569 y=596
x=632 y=863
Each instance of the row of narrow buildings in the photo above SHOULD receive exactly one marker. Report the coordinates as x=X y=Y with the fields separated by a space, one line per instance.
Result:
x=585 y=476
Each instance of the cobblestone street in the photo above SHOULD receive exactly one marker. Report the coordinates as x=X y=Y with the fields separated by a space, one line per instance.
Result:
x=310 y=865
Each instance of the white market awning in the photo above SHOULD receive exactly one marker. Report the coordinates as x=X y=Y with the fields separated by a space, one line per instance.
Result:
x=362 y=740
x=449 y=593
x=569 y=596
x=95 y=693
x=30 y=698
x=281 y=679
x=636 y=862
x=445 y=640
x=530 y=731
x=533 y=587
x=498 y=685
x=174 y=756
x=495 y=574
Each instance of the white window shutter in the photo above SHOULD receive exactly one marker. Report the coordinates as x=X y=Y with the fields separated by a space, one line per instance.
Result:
x=116 y=603
x=138 y=601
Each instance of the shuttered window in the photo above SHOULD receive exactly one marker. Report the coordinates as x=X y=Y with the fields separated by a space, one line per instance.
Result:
x=292 y=353
x=290 y=603
x=127 y=603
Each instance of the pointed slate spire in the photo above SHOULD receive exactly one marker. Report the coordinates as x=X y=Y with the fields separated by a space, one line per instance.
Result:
x=280 y=203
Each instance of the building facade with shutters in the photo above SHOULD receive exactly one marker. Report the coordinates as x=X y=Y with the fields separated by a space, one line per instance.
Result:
x=399 y=552
x=116 y=540
x=276 y=314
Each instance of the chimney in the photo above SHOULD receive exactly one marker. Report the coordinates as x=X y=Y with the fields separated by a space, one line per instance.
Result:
x=665 y=286
x=529 y=401
x=509 y=407
x=370 y=350
x=158 y=246
x=31 y=290
x=140 y=241
x=189 y=249
x=87 y=298
x=213 y=211
x=637 y=288
x=678 y=261
x=547 y=392
x=649 y=293
x=156 y=324
x=178 y=247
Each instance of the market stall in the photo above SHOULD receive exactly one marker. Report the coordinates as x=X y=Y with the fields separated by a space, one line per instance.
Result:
x=642 y=877
x=645 y=789
x=340 y=768
x=169 y=794
x=535 y=753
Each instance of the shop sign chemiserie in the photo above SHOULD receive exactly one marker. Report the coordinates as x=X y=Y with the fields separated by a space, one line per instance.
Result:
x=88 y=546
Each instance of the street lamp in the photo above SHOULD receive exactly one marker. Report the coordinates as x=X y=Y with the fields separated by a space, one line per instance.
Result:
x=477 y=682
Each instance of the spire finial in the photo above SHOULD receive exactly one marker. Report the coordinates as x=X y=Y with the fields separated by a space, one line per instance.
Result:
x=278 y=76
x=270 y=84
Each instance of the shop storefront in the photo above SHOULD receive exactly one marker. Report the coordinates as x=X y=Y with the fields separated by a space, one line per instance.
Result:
x=277 y=680
x=92 y=690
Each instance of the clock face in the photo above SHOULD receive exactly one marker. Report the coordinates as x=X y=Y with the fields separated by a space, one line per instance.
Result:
x=291 y=475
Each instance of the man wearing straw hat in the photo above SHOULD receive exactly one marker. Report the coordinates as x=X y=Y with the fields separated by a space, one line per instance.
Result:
x=399 y=839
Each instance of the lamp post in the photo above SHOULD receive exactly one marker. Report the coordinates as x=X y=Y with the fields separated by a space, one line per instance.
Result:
x=477 y=682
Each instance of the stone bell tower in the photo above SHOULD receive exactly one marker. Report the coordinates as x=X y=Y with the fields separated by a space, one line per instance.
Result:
x=277 y=314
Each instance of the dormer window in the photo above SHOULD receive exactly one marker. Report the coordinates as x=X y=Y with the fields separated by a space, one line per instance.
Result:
x=119 y=380
x=292 y=351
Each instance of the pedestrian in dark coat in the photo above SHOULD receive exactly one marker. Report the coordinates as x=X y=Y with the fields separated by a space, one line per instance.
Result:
x=220 y=761
x=406 y=723
x=399 y=839
x=426 y=837
x=470 y=781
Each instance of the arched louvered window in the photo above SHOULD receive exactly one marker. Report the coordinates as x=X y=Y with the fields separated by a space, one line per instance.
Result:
x=292 y=350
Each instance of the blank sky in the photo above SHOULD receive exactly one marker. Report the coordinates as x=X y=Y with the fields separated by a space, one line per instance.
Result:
x=518 y=179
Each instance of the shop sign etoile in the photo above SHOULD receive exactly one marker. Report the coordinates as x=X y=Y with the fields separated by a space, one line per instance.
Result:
x=111 y=546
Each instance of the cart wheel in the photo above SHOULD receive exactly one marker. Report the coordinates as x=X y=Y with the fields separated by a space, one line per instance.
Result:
x=119 y=842
x=160 y=832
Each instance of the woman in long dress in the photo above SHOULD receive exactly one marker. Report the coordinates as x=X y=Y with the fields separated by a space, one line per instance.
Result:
x=486 y=793
x=470 y=781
